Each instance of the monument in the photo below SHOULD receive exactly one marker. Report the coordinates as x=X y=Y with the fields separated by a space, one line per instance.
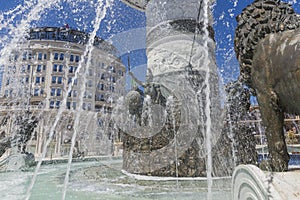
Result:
x=266 y=46
x=171 y=138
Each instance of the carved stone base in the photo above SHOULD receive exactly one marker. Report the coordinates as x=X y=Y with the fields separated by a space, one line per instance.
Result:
x=181 y=151
x=249 y=182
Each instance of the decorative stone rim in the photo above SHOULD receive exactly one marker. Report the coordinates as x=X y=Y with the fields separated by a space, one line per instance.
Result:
x=249 y=182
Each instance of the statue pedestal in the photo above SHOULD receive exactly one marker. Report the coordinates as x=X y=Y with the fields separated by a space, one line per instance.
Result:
x=249 y=182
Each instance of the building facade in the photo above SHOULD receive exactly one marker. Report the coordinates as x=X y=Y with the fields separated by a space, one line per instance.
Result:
x=51 y=72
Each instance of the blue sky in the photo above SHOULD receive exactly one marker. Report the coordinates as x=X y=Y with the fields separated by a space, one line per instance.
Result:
x=126 y=27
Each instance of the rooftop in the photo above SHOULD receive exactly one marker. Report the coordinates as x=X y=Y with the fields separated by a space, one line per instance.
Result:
x=69 y=35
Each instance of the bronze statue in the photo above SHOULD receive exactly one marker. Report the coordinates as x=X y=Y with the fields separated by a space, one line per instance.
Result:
x=266 y=44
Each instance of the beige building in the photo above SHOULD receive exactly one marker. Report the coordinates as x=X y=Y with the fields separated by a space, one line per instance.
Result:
x=49 y=73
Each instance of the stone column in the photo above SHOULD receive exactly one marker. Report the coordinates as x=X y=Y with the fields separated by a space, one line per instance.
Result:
x=175 y=36
x=177 y=57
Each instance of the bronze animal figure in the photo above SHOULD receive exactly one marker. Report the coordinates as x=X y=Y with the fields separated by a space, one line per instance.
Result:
x=267 y=42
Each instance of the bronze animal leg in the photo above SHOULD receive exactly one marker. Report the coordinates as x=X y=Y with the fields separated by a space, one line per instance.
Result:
x=273 y=117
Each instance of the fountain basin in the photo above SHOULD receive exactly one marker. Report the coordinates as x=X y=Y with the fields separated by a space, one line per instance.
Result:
x=104 y=179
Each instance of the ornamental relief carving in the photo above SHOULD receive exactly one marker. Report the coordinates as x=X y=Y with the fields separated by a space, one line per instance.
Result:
x=158 y=11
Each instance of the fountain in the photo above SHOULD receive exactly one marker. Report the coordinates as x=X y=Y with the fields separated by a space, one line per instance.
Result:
x=266 y=46
x=180 y=65
x=182 y=138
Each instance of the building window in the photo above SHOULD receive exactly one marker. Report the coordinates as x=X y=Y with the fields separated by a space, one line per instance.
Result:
x=90 y=83
x=75 y=93
x=71 y=58
x=112 y=69
x=55 y=56
x=77 y=58
x=45 y=56
x=57 y=104
x=55 y=67
x=102 y=76
x=22 y=80
x=53 y=79
x=28 y=67
x=69 y=105
x=53 y=91
x=87 y=95
x=84 y=106
x=51 y=104
x=58 y=92
x=89 y=106
x=59 y=80
x=71 y=69
x=100 y=122
x=60 y=68
x=39 y=68
x=74 y=105
x=100 y=97
x=112 y=88
x=44 y=67
x=23 y=69
x=112 y=79
x=25 y=56
x=54 y=104
x=40 y=56
x=62 y=56
x=101 y=86
x=90 y=72
x=36 y=92
x=38 y=80
x=70 y=80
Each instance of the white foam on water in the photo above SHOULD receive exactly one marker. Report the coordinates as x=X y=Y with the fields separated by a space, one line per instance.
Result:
x=160 y=178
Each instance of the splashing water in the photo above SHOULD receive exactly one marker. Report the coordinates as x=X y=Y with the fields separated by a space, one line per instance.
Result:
x=31 y=15
x=100 y=14
x=208 y=104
